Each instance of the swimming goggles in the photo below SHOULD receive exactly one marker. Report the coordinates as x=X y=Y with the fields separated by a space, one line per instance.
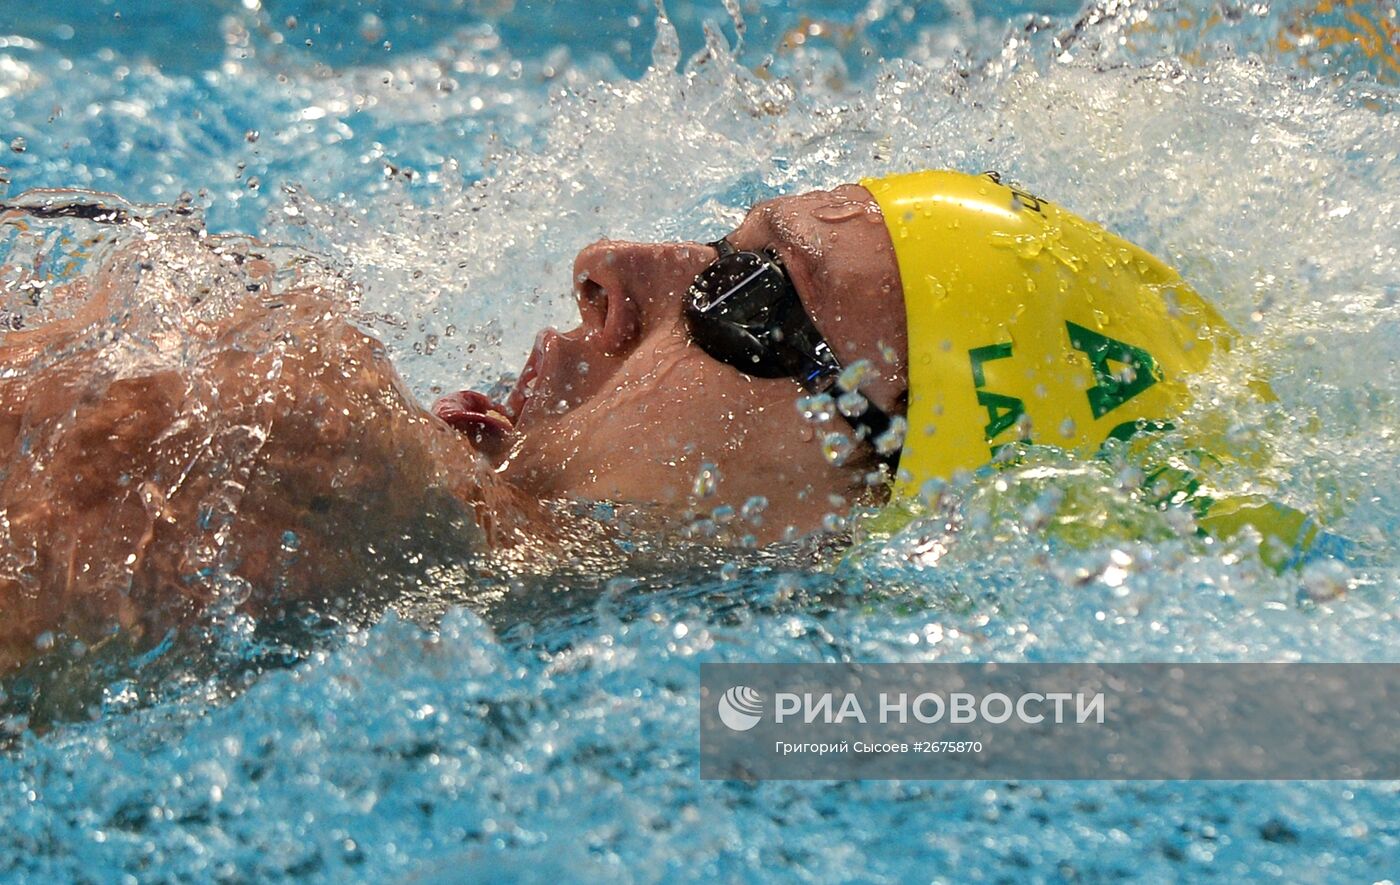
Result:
x=744 y=311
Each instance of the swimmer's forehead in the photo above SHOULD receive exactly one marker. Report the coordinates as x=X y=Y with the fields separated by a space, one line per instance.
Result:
x=792 y=220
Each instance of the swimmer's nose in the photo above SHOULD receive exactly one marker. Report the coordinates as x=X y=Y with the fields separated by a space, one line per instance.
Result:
x=624 y=289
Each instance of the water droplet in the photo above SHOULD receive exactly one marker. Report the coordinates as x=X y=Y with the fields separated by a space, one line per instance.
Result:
x=19 y=145
x=1326 y=579
x=371 y=28
x=707 y=480
x=703 y=528
x=839 y=211
x=235 y=591
x=932 y=490
x=892 y=440
x=854 y=375
x=251 y=136
x=753 y=508
x=818 y=409
x=836 y=448
x=852 y=404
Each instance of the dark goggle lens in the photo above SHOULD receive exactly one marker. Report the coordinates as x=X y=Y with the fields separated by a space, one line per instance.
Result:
x=739 y=287
x=736 y=310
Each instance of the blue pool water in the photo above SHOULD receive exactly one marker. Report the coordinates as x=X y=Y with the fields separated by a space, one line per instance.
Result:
x=444 y=160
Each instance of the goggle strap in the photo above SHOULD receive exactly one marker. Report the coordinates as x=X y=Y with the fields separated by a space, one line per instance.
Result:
x=723 y=247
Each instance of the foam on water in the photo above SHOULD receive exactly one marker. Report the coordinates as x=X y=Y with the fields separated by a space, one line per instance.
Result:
x=563 y=743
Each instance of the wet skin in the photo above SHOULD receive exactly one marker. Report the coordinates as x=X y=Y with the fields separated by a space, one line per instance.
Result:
x=625 y=408
x=107 y=507
x=121 y=491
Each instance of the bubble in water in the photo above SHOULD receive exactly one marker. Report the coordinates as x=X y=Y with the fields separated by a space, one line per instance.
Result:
x=19 y=145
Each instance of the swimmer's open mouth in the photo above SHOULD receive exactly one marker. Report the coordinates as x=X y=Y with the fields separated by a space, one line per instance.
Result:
x=486 y=420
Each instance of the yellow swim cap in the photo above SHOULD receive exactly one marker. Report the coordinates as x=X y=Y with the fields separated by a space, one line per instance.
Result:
x=1027 y=322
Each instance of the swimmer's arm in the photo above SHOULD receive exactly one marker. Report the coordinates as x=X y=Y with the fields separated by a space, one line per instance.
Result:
x=288 y=464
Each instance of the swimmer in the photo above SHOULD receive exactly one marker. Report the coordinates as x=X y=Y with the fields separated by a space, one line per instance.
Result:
x=944 y=315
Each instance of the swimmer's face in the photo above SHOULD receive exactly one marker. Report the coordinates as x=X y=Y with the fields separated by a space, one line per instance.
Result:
x=626 y=408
